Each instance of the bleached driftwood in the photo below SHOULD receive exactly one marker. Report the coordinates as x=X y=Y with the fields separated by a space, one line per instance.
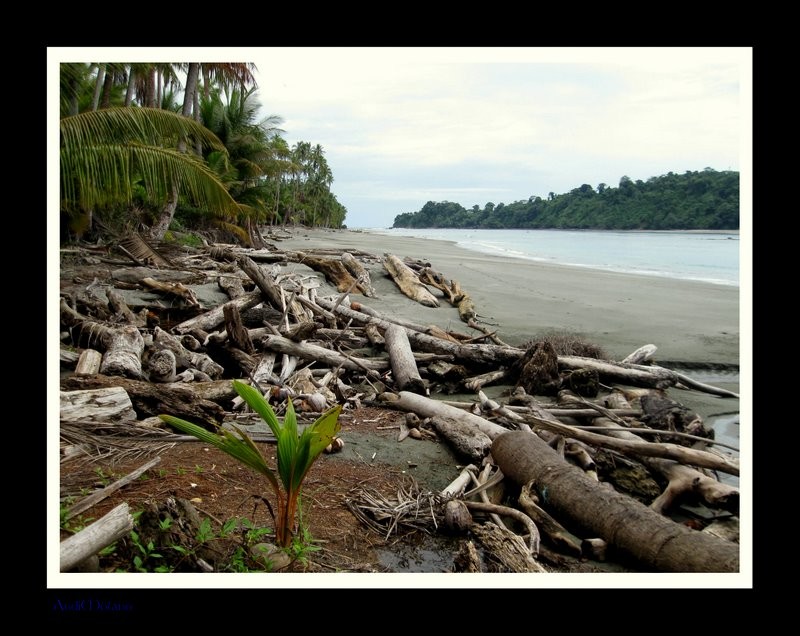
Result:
x=110 y=404
x=359 y=272
x=406 y=279
x=93 y=538
x=404 y=368
x=183 y=356
x=89 y=362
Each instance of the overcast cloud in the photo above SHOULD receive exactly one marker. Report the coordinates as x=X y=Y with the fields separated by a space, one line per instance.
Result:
x=403 y=126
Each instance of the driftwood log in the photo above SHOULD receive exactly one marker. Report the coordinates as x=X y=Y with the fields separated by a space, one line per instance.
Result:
x=93 y=538
x=359 y=272
x=404 y=368
x=149 y=399
x=408 y=282
x=654 y=541
x=106 y=404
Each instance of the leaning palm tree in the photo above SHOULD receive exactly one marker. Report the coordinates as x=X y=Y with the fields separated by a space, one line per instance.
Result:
x=104 y=152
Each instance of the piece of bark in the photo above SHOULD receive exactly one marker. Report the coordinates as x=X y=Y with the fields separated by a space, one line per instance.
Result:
x=636 y=530
x=405 y=278
x=96 y=497
x=237 y=334
x=149 y=399
x=88 y=362
x=108 y=404
x=334 y=270
x=404 y=368
x=538 y=370
x=359 y=272
x=212 y=319
x=94 y=537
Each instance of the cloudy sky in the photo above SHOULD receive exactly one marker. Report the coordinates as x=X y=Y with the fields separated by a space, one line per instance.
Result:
x=403 y=126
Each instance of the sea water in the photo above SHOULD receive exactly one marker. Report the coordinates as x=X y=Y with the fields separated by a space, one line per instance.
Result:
x=712 y=257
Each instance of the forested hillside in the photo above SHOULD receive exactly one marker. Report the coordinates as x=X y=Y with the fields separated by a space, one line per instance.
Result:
x=707 y=200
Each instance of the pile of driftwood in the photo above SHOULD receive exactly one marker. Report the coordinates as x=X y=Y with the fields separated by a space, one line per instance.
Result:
x=592 y=445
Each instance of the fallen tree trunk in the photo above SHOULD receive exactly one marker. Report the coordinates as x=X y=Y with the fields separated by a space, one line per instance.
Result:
x=93 y=538
x=405 y=278
x=149 y=399
x=651 y=539
x=109 y=404
x=402 y=361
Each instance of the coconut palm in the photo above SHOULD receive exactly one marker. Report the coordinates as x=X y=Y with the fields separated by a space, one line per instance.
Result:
x=105 y=152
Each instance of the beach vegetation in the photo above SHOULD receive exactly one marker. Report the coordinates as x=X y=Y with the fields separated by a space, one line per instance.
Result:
x=296 y=453
x=145 y=145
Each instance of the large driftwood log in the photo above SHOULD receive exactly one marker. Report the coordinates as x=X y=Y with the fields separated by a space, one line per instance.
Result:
x=334 y=270
x=108 y=404
x=149 y=399
x=231 y=284
x=651 y=539
x=635 y=375
x=426 y=407
x=215 y=317
x=93 y=538
x=406 y=279
x=359 y=272
x=404 y=367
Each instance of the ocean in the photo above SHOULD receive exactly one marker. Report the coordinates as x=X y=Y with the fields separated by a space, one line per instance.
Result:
x=712 y=257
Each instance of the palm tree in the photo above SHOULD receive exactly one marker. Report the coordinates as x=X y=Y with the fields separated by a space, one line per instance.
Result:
x=104 y=152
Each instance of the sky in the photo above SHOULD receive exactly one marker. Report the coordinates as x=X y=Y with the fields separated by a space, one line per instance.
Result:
x=404 y=126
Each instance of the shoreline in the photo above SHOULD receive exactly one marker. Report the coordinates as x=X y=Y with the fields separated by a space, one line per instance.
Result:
x=689 y=321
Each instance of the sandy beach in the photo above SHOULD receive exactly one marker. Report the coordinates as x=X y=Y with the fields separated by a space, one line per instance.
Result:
x=688 y=321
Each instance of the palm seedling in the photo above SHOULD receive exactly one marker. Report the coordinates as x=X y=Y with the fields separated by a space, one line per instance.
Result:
x=296 y=452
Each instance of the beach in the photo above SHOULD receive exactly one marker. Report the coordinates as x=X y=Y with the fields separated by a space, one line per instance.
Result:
x=691 y=322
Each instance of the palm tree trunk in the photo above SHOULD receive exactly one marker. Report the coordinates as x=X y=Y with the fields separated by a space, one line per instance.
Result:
x=191 y=88
x=101 y=74
x=108 y=84
x=129 y=90
x=164 y=220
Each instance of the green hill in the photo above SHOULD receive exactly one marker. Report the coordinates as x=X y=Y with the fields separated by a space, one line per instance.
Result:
x=707 y=200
